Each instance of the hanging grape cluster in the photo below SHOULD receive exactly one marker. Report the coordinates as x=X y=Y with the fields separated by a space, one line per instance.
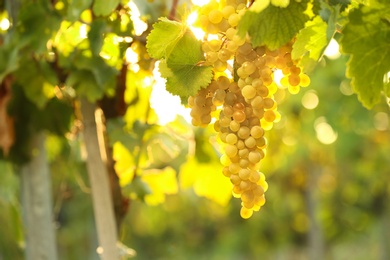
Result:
x=242 y=91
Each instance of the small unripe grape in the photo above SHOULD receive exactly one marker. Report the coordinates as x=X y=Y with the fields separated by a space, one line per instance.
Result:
x=240 y=145
x=247 y=196
x=249 y=92
x=215 y=45
x=250 y=142
x=227 y=11
x=254 y=177
x=263 y=91
x=243 y=153
x=220 y=65
x=234 y=179
x=294 y=70
x=233 y=20
x=294 y=80
x=239 y=106
x=226 y=172
x=231 y=138
x=239 y=116
x=244 y=174
x=260 y=50
x=230 y=33
x=249 y=204
x=305 y=80
x=215 y=16
x=254 y=157
x=234 y=168
x=234 y=126
x=243 y=132
x=257 y=102
x=248 y=67
x=268 y=103
x=246 y=213
x=224 y=54
x=231 y=150
x=244 y=185
x=269 y=115
x=260 y=201
x=244 y=163
x=261 y=142
x=211 y=56
x=228 y=111
x=259 y=191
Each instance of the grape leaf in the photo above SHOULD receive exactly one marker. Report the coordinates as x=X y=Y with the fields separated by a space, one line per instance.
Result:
x=105 y=76
x=85 y=84
x=9 y=60
x=312 y=39
x=37 y=80
x=163 y=38
x=95 y=35
x=274 y=26
x=206 y=180
x=161 y=182
x=75 y=8
x=185 y=80
x=182 y=54
x=367 y=39
x=104 y=7
x=37 y=25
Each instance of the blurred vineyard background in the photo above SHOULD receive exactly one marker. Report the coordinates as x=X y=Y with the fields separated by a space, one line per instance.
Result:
x=327 y=165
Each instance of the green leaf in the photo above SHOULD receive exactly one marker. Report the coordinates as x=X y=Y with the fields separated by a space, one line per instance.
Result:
x=182 y=53
x=37 y=25
x=95 y=35
x=274 y=26
x=9 y=60
x=164 y=37
x=104 y=75
x=312 y=39
x=104 y=7
x=185 y=80
x=56 y=118
x=76 y=7
x=367 y=39
x=37 y=80
x=85 y=84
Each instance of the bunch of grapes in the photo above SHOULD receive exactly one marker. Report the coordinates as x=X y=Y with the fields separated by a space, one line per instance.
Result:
x=246 y=106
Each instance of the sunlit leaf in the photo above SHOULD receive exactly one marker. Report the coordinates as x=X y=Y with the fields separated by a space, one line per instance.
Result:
x=366 y=39
x=104 y=7
x=161 y=182
x=274 y=26
x=207 y=180
x=95 y=35
x=164 y=37
x=311 y=39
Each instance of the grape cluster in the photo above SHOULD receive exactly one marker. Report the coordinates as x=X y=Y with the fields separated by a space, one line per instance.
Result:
x=246 y=106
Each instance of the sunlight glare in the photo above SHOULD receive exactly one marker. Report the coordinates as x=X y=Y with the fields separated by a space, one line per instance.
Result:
x=198 y=32
x=83 y=32
x=166 y=106
x=324 y=131
x=139 y=25
x=332 y=50
x=200 y=2
x=131 y=56
x=278 y=75
x=310 y=99
x=4 y=24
